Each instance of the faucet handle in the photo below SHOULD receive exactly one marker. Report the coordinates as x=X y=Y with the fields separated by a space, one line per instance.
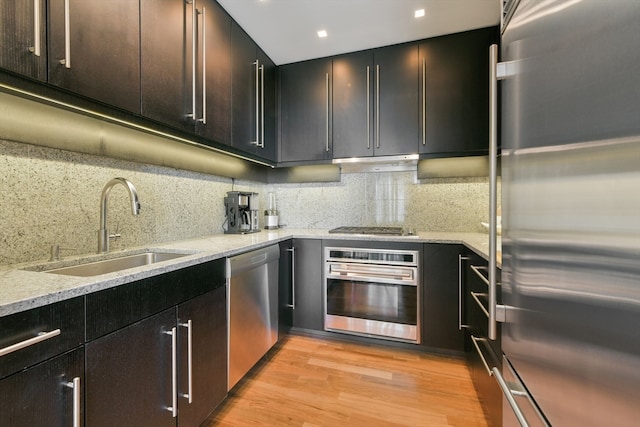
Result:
x=55 y=252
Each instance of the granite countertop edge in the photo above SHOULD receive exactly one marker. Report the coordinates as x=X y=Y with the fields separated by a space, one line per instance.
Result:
x=21 y=289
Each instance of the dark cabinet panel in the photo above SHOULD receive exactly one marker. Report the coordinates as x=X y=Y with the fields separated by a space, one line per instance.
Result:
x=268 y=145
x=375 y=102
x=483 y=354
x=397 y=119
x=441 y=298
x=243 y=91
x=23 y=33
x=214 y=27
x=117 y=307
x=208 y=317
x=67 y=316
x=305 y=111
x=129 y=376
x=166 y=62
x=253 y=97
x=41 y=396
x=103 y=56
x=353 y=114
x=307 y=301
x=455 y=86
x=285 y=287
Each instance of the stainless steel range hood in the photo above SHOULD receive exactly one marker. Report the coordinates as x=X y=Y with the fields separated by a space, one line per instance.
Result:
x=378 y=164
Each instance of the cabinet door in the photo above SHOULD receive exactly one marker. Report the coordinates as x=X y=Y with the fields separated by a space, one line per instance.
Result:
x=215 y=25
x=129 y=377
x=208 y=317
x=103 y=56
x=41 y=396
x=308 y=305
x=166 y=62
x=441 y=298
x=305 y=111
x=267 y=148
x=353 y=122
x=456 y=94
x=285 y=287
x=243 y=91
x=23 y=33
x=397 y=122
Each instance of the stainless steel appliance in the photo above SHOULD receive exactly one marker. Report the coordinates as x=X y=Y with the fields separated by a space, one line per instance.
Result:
x=252 y=307
x=242 y=212
x=373 y=292
x=571 y=213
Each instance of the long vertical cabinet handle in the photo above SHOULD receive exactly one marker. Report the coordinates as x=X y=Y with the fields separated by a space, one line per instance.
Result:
x=174 y=372
x=494 y=76
x=424 y=102
x=256 y=63
x=189 y=394
x=261 y=142
x=204 y=69
x=293 y=277
x=377 y=106
x=67 y=37
x=35 y=49
x=328 y=100
x=461 y=259
x=194 y=36
x=75 y=386
x=368 y=108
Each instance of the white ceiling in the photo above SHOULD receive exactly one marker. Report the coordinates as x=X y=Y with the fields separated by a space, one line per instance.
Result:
x=287 y=29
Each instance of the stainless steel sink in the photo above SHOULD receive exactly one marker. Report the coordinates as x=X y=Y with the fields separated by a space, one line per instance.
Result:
x=97 y=268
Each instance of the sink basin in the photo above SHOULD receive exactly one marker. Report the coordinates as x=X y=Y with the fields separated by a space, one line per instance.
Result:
x=117 y=264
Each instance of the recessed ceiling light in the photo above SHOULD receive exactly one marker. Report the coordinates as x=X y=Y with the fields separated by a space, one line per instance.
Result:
x=322 y=33
x=419 y=13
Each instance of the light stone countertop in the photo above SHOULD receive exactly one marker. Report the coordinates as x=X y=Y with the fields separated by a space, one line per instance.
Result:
x=22 y=290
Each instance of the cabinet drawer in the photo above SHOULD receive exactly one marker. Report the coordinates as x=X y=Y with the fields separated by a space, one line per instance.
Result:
x=118 y=307
x=32 y=336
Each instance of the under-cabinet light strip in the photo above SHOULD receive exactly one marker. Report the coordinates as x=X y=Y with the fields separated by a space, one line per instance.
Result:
x=95 y=114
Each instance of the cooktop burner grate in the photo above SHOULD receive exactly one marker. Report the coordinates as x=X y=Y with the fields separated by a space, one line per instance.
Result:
x=390 y=231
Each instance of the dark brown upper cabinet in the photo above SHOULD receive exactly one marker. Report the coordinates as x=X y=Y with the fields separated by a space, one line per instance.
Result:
x=375 y=102
x=305 y=111
x=186 y=66
x=253 y=97
x=24 y=38
x=94 y=50
x=454 y=85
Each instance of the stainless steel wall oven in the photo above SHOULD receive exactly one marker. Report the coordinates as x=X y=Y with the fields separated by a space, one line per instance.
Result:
x=373 y=292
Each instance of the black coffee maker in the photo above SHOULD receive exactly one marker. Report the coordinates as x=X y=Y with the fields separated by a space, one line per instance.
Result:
x=241 y=209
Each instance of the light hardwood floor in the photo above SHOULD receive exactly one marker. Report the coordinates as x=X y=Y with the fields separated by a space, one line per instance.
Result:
x=307 y=381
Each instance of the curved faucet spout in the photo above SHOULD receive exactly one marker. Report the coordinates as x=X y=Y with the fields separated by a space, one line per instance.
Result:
x=103 y=234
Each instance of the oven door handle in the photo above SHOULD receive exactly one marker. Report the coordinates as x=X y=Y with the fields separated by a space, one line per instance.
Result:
x=374 y=272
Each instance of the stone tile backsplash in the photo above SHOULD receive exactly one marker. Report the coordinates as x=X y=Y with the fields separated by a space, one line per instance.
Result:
x=51 y=196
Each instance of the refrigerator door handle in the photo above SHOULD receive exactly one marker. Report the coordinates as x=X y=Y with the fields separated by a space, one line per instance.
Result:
x=496 y=72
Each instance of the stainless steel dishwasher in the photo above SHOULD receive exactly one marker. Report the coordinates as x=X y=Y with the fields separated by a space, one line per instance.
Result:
x=252 y=307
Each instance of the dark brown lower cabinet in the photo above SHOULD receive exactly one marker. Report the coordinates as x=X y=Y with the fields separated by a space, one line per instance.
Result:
x=441 y=297
x=130 y=373
x=208 y=316
x=41 y=396
x=483 y=354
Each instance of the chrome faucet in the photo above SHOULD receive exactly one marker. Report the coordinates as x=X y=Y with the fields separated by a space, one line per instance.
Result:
x=103 y=234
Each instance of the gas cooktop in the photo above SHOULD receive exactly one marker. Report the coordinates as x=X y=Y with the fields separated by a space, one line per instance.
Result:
x=389 y=231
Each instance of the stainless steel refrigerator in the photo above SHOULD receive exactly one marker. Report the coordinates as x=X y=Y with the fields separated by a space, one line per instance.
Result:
x=570 y=135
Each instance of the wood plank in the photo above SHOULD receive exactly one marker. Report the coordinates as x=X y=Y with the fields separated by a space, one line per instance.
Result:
x=308 y=381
